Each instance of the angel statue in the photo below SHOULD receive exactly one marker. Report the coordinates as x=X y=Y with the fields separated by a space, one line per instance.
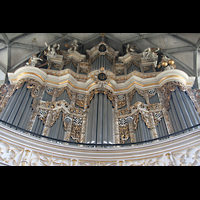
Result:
x=151 y=55
x=130 y=48
x=73 y=46
x=52 y=50
x=33 y=60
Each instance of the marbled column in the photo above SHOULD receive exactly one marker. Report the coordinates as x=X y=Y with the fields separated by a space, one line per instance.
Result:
x=153 y=129
x=47 y=124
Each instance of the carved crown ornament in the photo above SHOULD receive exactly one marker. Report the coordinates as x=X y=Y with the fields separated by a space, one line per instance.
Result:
x=102 y=49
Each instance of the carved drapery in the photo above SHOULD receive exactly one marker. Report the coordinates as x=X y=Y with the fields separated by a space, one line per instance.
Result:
x=169 y=87
x=6 y=91
x=146 y=94
x=151 y=114
x=104 y=91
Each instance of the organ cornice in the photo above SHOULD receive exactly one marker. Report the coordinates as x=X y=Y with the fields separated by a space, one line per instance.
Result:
x=86 y=83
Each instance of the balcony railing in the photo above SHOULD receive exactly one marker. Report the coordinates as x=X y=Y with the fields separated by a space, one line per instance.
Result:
x=96 y=145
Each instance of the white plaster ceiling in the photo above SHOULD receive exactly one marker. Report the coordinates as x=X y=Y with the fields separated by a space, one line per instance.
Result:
x=17 y=48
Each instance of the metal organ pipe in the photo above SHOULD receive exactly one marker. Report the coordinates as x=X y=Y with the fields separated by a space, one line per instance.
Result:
x=100 y=120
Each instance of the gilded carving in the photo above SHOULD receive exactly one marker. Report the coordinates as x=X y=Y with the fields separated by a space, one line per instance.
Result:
x=134 y=62
x=124 y=133
x=121 y=101
x=43 y=115
x=5 y=93
x=54 y=116
x=80 y=98
x=104 y=91
x=76 y=129
x=157 y=117
x=169 y=87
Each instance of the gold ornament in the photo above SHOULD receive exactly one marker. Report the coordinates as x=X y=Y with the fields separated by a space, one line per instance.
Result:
x=171 y=62
x=164 y=64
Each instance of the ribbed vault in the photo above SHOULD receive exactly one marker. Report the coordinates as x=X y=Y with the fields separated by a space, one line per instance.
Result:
x=183 y=48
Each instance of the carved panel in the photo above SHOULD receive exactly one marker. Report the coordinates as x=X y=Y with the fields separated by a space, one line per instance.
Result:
x=76 y=129
x=10 y=154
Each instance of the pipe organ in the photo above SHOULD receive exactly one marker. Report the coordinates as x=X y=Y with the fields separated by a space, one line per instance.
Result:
x=100 y=98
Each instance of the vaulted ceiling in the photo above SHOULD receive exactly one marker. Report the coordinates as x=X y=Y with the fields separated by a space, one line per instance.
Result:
x=183 y=48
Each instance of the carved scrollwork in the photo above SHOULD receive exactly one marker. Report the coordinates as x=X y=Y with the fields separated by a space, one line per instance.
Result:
x=135 y=121
x=154 y=106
